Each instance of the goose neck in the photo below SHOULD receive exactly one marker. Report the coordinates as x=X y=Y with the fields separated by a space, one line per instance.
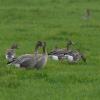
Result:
x=36 y=49
x=44 y=50
x=67 y=47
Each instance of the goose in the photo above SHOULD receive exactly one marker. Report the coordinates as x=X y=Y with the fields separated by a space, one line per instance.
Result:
x=42 y=60
x=32 y=60
x=58 y=54
x=75 y=56
x=10 y=54
x=87 y=14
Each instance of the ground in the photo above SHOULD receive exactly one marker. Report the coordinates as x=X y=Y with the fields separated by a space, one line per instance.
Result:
x=54 y=21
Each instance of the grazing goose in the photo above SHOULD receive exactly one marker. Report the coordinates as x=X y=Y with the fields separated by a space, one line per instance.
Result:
x=58 y=54
x=32 y=60
x=10 y=53
x=74 y=57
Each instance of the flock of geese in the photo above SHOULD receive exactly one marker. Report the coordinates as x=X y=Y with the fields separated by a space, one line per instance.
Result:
x=37 y=60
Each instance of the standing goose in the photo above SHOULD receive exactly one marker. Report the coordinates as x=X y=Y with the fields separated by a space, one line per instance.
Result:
x=74 y=57
x=32 y=60
x=58 y=54
x=42 y=59
x=10 y=54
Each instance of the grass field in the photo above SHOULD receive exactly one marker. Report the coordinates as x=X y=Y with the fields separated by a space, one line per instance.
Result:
x=26 y=21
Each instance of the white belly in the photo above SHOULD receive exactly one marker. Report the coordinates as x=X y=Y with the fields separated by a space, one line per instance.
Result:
x=69 y=58
x=7 y=57
x=17 y=65
x=54 y=57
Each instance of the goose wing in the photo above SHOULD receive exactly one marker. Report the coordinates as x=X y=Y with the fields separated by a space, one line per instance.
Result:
x=23 y=58
x=27 y=60
x=59 y=51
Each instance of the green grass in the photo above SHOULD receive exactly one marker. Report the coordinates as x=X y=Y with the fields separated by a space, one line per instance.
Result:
x=26 y=21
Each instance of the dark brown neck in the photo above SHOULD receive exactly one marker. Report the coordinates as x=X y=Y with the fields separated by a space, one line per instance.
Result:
x=36 y=49
x=67 y=46
x=44 y=49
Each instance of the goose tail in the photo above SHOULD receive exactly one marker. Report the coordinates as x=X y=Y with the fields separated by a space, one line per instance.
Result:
x=83 y=58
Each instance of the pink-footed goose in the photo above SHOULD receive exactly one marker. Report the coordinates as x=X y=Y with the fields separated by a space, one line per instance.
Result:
x=58 y=54
x=32 y=60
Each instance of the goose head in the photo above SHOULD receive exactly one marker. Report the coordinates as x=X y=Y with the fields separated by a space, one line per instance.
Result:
x=69 y=43
x=56 y=48
x=14 y=46
x=10 y=54
x=38 y=45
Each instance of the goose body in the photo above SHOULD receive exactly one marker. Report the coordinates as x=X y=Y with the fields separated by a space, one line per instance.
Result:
x=74 y=57
x=26 y=61
x=41 y=61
